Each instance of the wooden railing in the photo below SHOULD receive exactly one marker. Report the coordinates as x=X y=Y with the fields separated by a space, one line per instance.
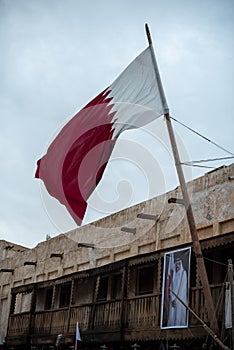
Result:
x=197 y=302
x=42 y=322
x=19 y=324
x=218 y=295
x=59 y=322
x=50 y=322
x=79 y=314
x=142 y=311
x=107 y=315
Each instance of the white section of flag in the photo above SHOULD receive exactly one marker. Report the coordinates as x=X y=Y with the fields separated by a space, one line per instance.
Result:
x=135 y=94
x=78 y=338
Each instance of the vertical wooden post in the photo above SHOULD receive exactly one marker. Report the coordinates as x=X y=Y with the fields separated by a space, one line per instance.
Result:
x=190 y=217
x=31 y=323
x=123 y=288
x=52 y=306
x=93 y=310
x=230 y=279
x=70 y=305
x=193 y=231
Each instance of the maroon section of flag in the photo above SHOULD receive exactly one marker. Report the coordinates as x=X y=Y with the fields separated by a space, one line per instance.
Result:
x=76 y=160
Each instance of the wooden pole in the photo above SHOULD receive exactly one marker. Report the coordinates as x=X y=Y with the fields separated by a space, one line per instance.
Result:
x=190 y=217
x=230 y=279
x=207 y=329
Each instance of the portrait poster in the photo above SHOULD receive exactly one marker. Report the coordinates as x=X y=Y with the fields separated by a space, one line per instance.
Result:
x=176 y=276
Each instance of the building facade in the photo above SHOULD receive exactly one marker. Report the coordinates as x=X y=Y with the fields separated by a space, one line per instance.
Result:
x=108 y=275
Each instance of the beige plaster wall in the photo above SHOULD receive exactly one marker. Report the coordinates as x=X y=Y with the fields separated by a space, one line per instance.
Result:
x=212 y=199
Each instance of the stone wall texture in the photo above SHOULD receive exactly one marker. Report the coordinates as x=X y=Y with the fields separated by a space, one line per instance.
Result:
x=121 y=235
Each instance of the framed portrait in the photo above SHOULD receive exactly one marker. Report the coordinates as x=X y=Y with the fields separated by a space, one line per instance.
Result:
x=175 y=287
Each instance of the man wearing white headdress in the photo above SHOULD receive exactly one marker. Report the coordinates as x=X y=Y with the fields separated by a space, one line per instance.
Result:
x=177 y=311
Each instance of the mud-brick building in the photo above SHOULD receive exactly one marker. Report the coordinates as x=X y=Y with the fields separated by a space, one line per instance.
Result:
x=108 y=275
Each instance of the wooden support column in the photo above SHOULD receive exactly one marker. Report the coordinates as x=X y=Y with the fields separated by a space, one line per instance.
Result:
x=190 y=218
x=70 y=305
x=123 y=289
x=52 y=305
x=230 y=279
x=32 y=316
x=193 y=231
x=92 y=313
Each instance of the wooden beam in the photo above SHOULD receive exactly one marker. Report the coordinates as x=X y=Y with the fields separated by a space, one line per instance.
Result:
x=190 y=217
x=176 y=200
x=7 y=270
x=86 y=245
x=129 y=229
x=148 y=216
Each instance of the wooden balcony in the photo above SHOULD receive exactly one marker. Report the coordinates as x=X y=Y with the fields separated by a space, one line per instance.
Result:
x=19 y=324
x=143 y=312
x=81 y=314
x=107 y=315
x=133 y=318
x=19 y=329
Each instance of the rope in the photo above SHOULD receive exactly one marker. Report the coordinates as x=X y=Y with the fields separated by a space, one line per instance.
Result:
x=204 y=137
x=215 y=261
x=198 y=166
x=207 y=160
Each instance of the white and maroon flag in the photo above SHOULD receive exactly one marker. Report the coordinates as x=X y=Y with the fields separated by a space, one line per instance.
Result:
x=76 y=159
x=78 y=338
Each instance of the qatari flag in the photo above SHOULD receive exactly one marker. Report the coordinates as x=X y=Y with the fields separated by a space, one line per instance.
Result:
x=76 y=159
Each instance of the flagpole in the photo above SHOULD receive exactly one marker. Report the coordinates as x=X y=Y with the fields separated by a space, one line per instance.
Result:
x=190 y=217
x=207 y=329
x=158 y=78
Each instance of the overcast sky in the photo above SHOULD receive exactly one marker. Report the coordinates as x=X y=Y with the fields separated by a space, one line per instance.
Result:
x=57 y=55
